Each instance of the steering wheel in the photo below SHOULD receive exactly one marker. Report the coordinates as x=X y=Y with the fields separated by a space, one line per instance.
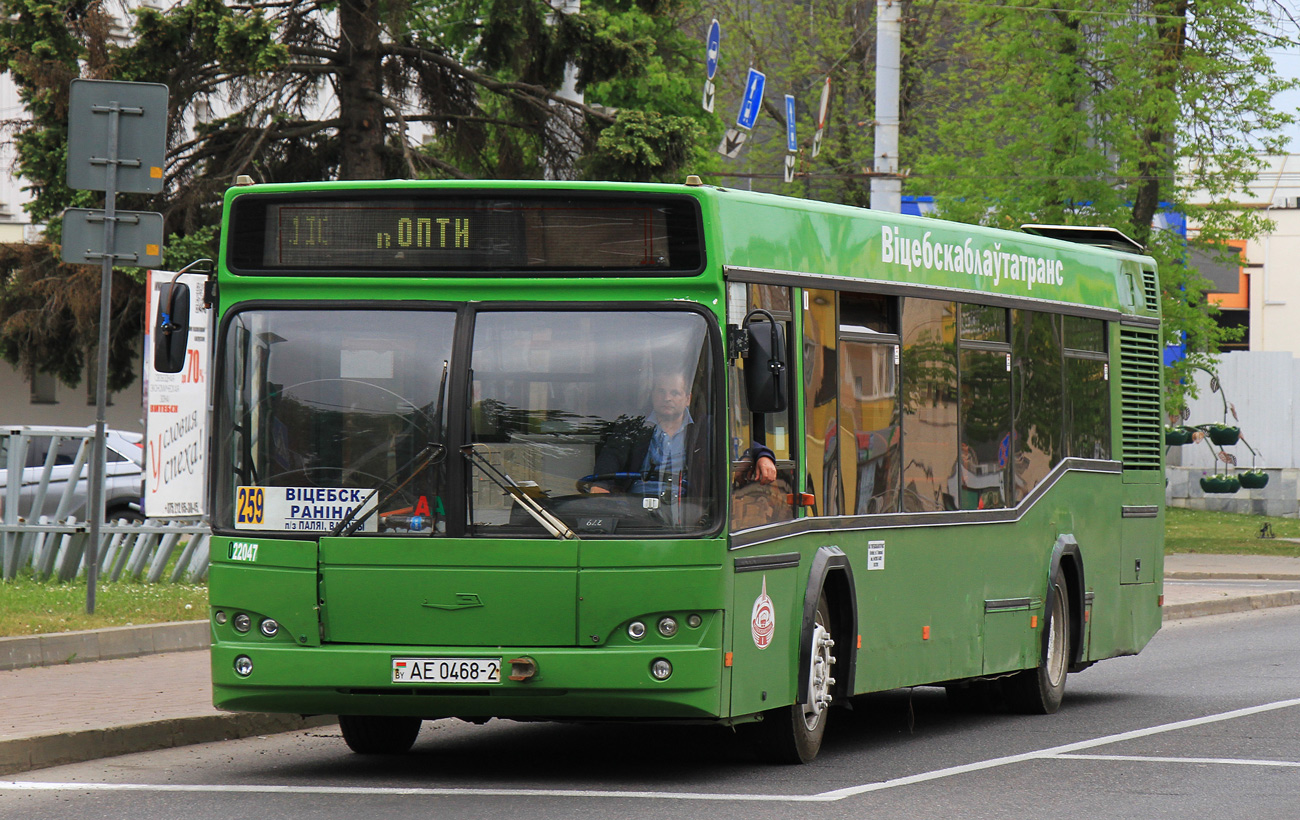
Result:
x=585 y=483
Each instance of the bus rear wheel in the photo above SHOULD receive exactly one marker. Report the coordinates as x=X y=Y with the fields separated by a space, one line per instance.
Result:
x=379 y=735
x=1040 y=691
x=793 y=734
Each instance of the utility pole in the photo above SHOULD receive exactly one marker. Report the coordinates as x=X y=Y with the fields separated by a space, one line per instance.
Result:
x=887 y=187
x=564 y=126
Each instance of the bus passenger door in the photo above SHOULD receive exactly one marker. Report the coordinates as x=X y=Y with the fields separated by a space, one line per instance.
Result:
x=768 y=609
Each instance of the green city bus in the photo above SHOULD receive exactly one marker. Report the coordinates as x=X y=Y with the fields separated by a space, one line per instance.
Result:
x=448 y=479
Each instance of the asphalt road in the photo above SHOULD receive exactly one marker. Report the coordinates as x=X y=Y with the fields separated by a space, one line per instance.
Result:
x=1204 y=724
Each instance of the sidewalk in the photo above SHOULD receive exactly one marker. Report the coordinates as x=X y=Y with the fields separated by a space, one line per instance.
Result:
x=116 y=704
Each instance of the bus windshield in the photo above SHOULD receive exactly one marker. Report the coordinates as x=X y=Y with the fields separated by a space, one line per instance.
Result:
x=604 y=417
x=607 y=416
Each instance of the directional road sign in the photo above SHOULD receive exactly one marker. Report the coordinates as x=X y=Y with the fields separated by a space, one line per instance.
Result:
x=137 y=241
x=731 y=142
x=710 y=92
x=711 y=45
x=791 y=141
x=753 y=101
x=138 y=112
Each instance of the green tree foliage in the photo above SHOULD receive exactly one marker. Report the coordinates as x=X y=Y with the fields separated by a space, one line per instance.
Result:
x=1098 y=112
x=799 y=46
x=299 y=91
x=1108 y=113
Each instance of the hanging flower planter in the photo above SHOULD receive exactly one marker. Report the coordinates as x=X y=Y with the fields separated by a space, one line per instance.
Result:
x=1179 y=435
x=1223 y=435
x=1253 y=479
x=1220 y=483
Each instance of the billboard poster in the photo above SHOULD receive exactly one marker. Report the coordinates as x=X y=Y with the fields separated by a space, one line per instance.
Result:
x=176 y=410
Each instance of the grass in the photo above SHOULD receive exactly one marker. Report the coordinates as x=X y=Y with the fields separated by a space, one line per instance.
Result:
x=1228 y=533
x=29 y=607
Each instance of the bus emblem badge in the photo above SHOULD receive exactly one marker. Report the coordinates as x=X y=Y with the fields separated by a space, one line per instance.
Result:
x=762 y=622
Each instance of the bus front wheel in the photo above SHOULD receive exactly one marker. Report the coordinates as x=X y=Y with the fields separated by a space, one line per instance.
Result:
x=1039 y=691
x=379 y=735
x=793 y=734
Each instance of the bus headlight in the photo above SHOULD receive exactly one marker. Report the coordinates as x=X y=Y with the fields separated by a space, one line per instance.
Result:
x=636 y=630
x=244 y=666
x=269 y=627
x=241 y=622
x=668 y=626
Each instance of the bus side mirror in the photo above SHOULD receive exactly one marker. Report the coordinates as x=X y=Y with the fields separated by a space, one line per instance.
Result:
x=171 y=334
x=765 y=377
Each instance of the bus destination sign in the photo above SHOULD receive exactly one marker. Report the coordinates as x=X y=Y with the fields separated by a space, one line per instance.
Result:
x=435 y=234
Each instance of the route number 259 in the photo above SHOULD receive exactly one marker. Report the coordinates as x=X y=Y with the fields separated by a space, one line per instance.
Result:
x=250 y=505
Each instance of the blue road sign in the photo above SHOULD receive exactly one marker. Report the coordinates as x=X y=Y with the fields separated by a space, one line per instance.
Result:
x=791 y=141
x=711 y=45
x=753 y=99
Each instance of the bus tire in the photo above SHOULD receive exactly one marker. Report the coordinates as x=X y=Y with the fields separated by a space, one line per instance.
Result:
x=378 y=734
x=793 y=734
x=1039 y=691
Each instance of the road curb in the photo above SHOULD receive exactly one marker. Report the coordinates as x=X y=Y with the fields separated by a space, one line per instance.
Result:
x=1241 y=603
x=111 y=643
x=60 y=748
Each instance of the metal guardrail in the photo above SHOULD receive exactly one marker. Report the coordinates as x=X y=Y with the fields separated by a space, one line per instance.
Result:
x=134 y=551
x=55 y=546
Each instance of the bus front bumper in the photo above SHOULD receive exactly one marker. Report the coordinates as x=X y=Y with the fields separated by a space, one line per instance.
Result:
x=576 y=682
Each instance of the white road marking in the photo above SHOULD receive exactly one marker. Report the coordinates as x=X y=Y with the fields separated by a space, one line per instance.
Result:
x=1232 y=761
x=1055 y=751
x=1065 y=751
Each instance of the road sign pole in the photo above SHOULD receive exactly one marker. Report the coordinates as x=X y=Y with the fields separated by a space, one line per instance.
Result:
x=131 y=153
x=95 y=506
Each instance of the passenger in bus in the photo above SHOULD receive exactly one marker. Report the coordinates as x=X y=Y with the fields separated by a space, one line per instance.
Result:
x=666 y=454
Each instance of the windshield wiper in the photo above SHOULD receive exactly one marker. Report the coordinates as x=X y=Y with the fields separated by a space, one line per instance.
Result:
x=543 y=515
x=431 y=454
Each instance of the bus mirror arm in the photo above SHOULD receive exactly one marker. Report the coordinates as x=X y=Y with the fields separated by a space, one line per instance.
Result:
x=766 y=385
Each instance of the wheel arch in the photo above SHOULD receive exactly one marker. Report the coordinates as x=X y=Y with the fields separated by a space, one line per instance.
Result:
x=1067 y=558
x=831 y=572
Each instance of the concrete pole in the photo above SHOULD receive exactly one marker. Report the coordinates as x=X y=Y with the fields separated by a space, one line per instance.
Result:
x=564 y=128
x=887 y=192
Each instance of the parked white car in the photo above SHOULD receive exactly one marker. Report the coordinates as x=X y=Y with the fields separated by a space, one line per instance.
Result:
x=124 y=471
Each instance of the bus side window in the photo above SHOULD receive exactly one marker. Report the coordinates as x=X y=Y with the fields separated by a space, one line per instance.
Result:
x=820 y=401
x=986 y=448
x=1036 y=387
x=754 y=504
x=929 y=405
x=1087 y=389
x=869 y=431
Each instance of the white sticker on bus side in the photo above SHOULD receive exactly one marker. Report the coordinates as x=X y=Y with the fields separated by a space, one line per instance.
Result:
x=301 y=509
x=875 y=555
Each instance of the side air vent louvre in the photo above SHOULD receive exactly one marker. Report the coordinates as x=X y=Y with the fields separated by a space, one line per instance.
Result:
x=1140 y=391
x=1150 y=290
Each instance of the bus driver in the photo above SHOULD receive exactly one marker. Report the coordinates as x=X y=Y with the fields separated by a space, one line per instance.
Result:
x=658 y=456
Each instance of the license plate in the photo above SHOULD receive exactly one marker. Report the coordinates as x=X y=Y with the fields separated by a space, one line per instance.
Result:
x=446 y=670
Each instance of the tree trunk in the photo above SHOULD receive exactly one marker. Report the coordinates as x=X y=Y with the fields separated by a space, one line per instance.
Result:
x=360 y=87
x=1156 y=169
